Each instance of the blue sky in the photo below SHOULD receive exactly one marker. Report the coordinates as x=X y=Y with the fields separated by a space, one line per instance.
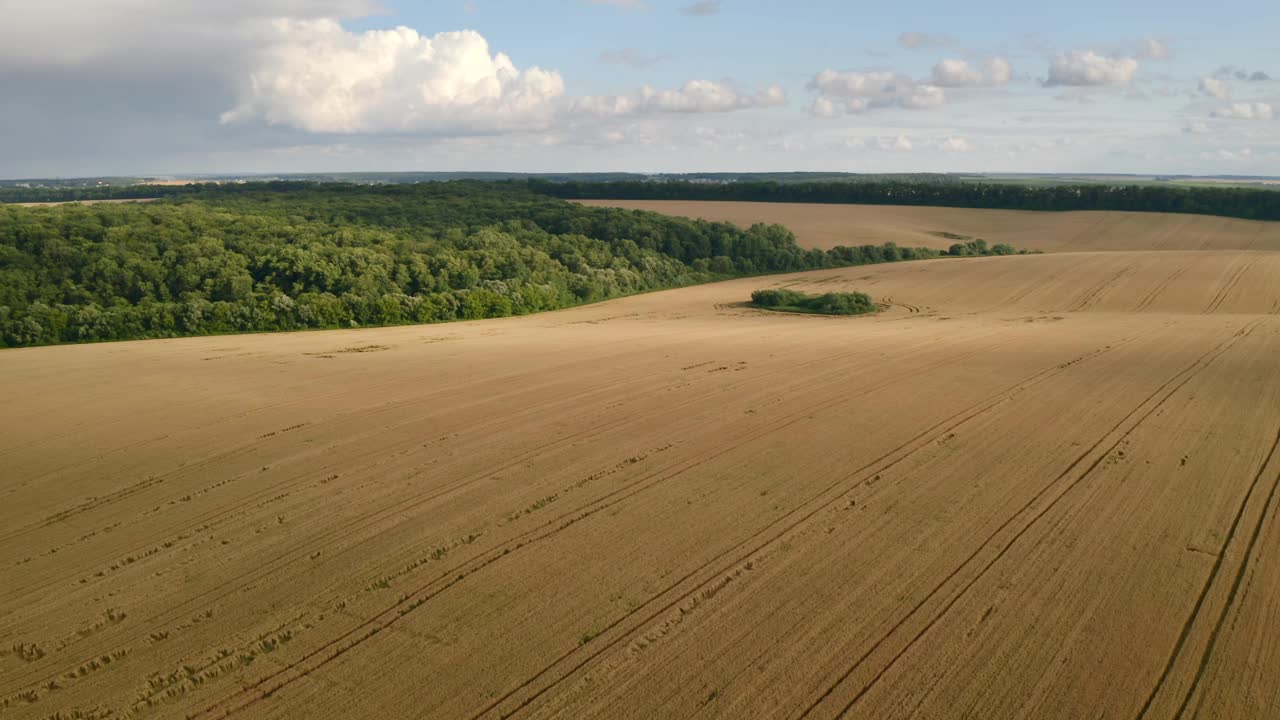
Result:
x=177 y=86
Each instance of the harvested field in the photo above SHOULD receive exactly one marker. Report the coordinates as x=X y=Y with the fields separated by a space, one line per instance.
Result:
x=825 y=226
x=1032 y=487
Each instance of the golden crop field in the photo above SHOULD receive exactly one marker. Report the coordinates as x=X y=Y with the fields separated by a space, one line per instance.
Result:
x=825 y=226
x=1036 y=486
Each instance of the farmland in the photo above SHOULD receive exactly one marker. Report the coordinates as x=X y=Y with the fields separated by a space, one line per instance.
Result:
x=1029 y=485
x=828 y=225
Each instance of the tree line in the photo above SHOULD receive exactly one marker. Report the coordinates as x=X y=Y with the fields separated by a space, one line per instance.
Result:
x=288 y=256
x=1244 y=203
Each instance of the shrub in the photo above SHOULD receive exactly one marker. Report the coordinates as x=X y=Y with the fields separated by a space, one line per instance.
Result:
x=777 y=298
x=851 y=303
x=854 y=303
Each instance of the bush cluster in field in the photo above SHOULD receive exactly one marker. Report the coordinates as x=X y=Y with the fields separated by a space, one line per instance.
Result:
x=975 y=247
x=842 y=303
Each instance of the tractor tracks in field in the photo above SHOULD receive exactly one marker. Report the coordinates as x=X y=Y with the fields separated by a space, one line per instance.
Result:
x=224 y=512
x=301 y=480
x=1029 y=287
x=1160 y=289
x=1090 y=298
x=1119 y=432
x=509 y=380
x=327 y=539
x=768 y=535
x=1227 y=287
x=763 y=538
x=367 y=520
x=339 y=646
x=1210 y=583
x=911 y=309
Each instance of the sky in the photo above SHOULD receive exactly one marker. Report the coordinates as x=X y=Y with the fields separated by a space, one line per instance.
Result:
x=164 y=87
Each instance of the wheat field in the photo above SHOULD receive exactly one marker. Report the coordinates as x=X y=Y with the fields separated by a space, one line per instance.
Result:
x=1036 y=486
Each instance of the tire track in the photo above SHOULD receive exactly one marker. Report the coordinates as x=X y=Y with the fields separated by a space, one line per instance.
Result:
x=911 y=309
x=511 y=379
x=569 y=400
x=1204 y=660
x=742 y=667
x=299 y=480
x=1160 y=289
x=862 y=475
x=1228 y=287
x=1029 y=287
x=386 y=618
x=1196 y=610
x=338 y=534
x=289 y=485
x=1092 y=296
x=323 y=379
x=1168 y=389
x=508 y=380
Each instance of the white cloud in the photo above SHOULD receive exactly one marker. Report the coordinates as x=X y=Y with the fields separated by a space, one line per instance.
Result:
x=898 y=143
x=824 y=108
x=695 y=96
x=901 y=143
x=1227 y=154
x=923 y=97
x=959 y=73
x=856 y=92
x=1245 y=111
x=1153 y=49
x=1213 y=87
x=1089 y=69
x=132 y=34
x=319 y=77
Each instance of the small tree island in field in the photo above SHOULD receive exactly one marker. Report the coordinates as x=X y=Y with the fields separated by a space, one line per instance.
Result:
x=850 y=303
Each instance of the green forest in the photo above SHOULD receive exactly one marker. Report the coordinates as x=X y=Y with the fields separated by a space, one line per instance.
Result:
x=289 y=256
x=1244 y=203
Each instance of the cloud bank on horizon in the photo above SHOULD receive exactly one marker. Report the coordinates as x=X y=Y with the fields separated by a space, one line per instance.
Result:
x=174 y=86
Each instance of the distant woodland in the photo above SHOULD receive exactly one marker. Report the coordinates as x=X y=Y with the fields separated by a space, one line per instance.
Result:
x=288 y=256
x=1247 y=203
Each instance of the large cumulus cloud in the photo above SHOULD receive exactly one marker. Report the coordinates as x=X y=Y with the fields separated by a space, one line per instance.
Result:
x=1089 y=69
x=320 y=77
x=993 y=71
x=695 y=96
x=855 y=92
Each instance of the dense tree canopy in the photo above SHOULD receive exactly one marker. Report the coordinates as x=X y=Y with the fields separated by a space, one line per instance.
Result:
x=1228 y=202
x=285 y=256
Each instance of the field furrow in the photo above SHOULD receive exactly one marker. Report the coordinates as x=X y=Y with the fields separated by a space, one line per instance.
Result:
x=1027 y=485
